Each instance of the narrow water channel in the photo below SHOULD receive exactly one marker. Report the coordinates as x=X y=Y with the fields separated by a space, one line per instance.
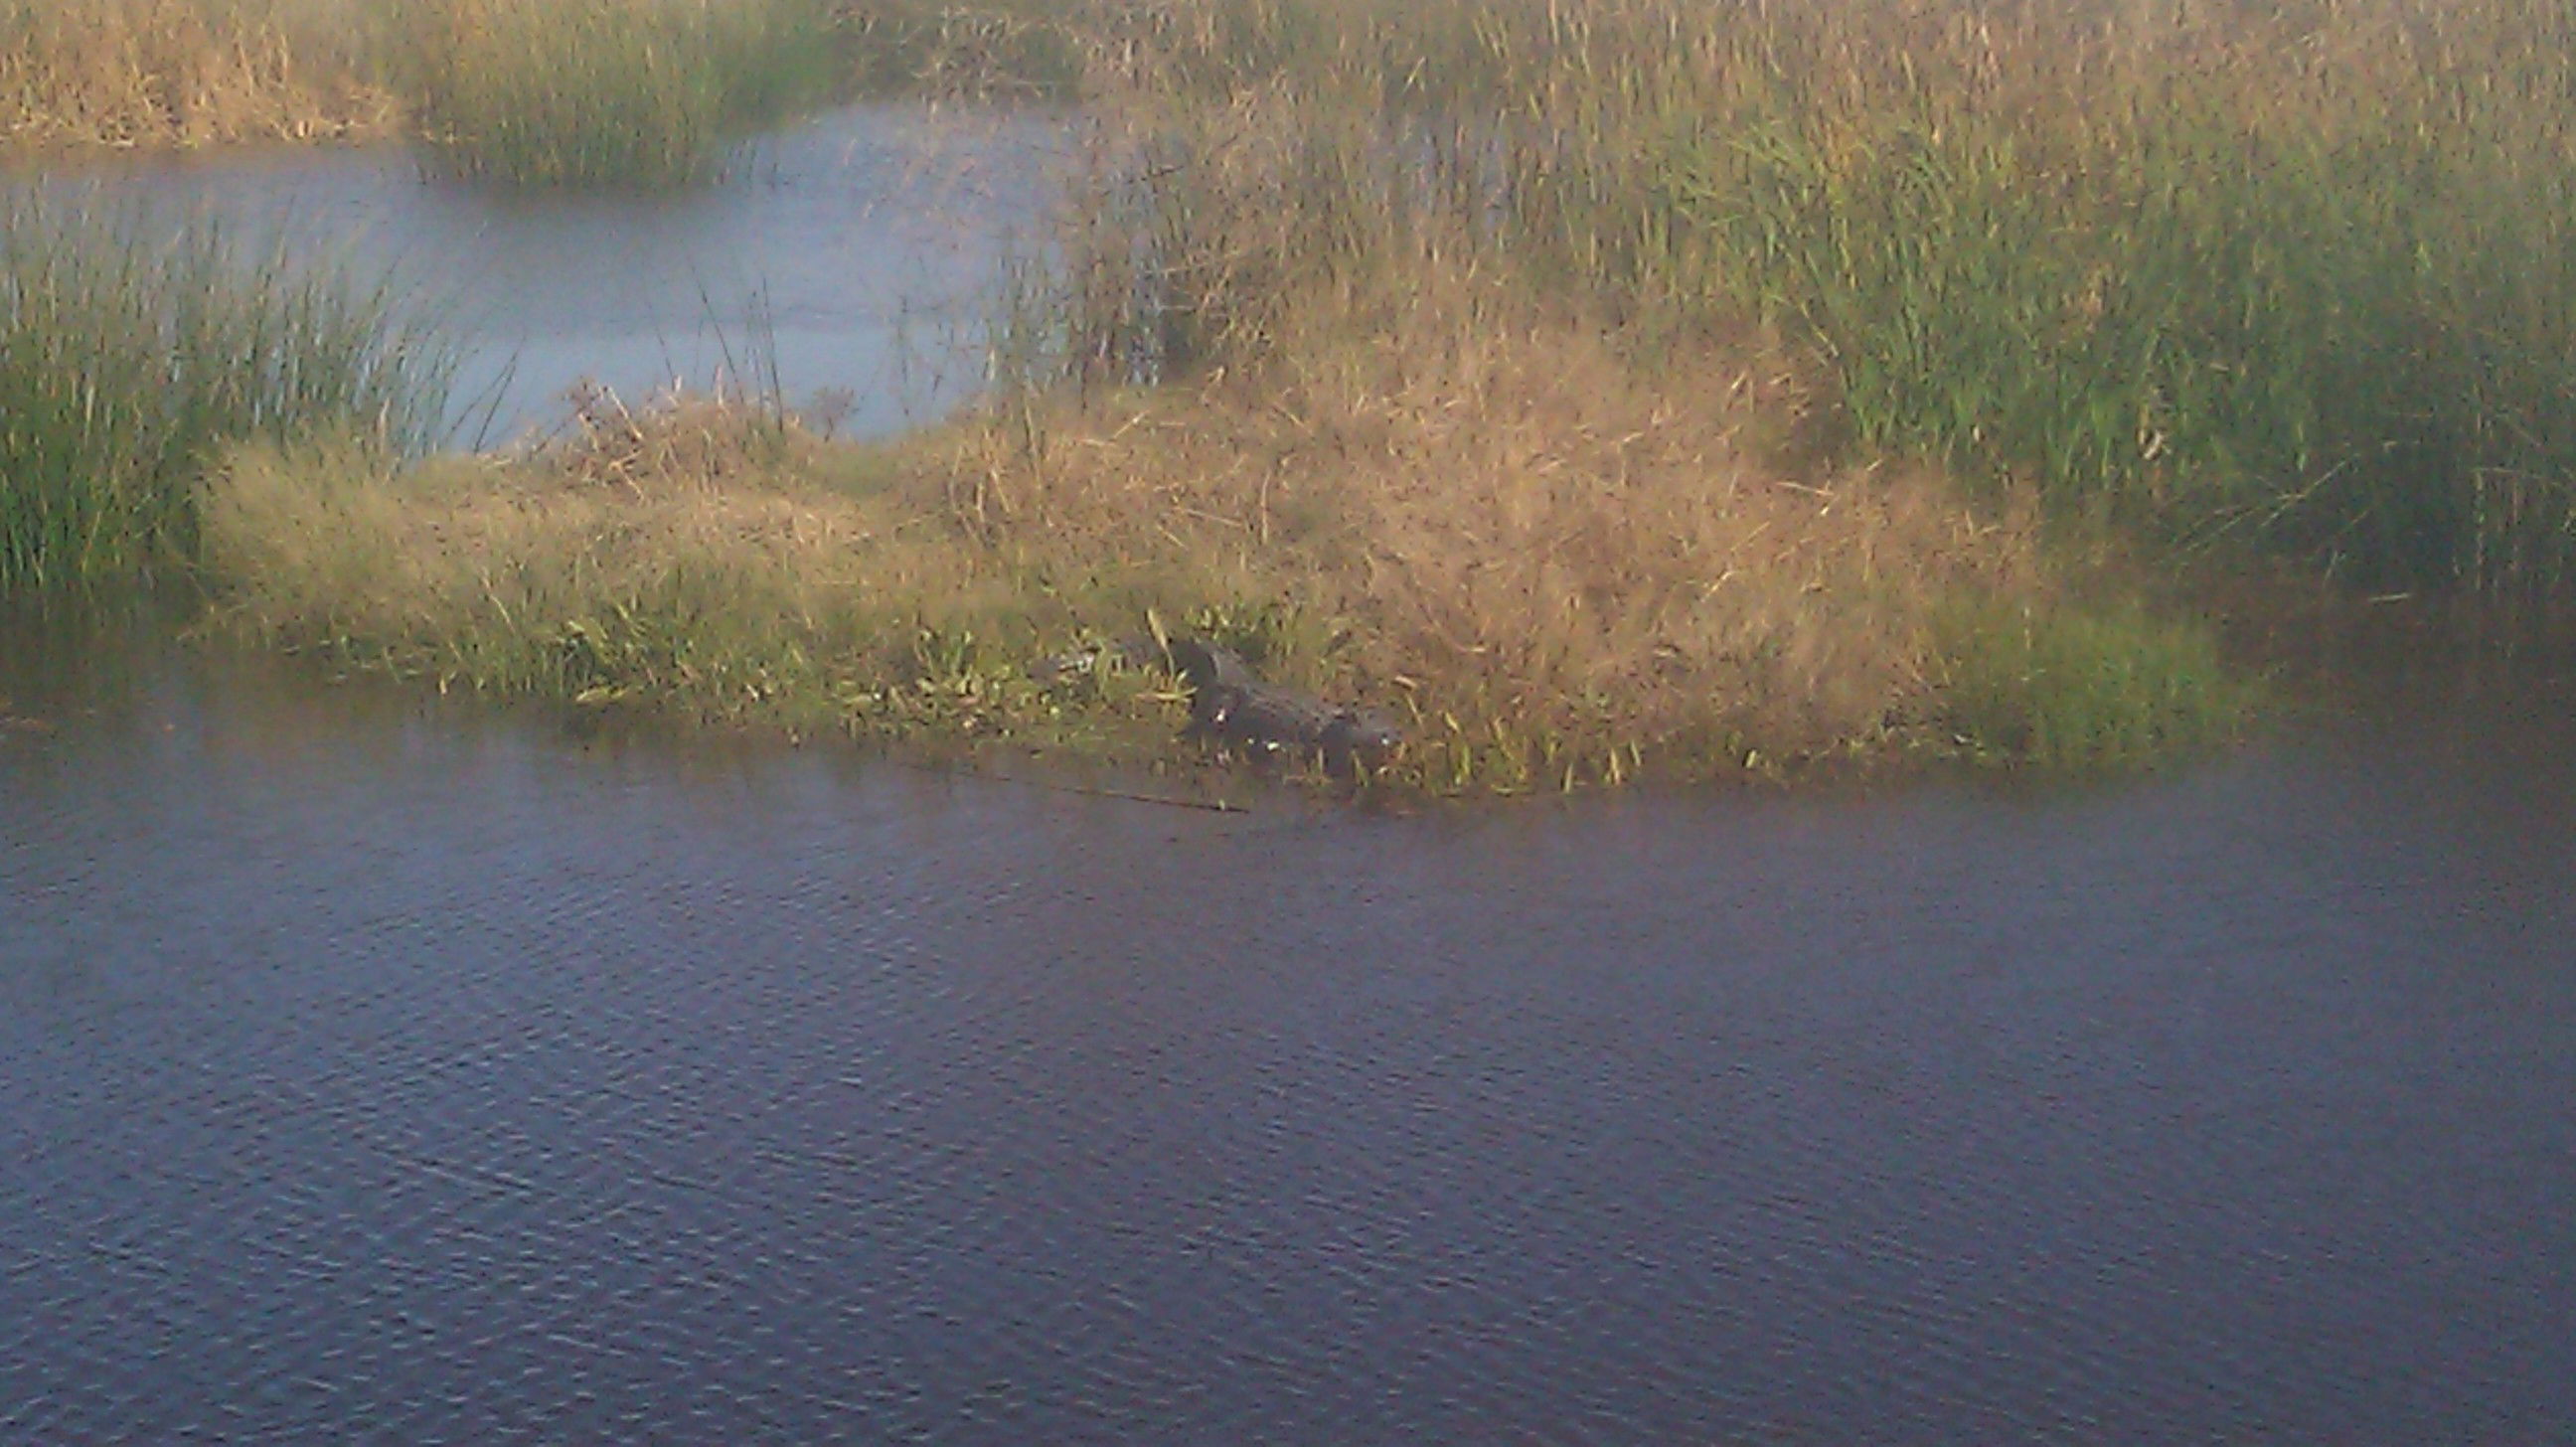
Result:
x=378 y=1067
x=856 y=253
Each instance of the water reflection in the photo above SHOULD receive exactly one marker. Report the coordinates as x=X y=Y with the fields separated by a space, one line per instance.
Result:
x=853 y=254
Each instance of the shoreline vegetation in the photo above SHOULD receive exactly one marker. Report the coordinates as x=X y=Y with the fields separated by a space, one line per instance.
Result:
x=624 y=93
x=1603 y=388
x=128 y=359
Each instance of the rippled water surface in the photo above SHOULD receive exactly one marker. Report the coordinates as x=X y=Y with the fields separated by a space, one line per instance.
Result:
x=373 y=1067
x=378 y=1067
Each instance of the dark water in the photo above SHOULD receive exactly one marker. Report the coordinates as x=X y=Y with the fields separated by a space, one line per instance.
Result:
x=855 y=253
x=379 y=1068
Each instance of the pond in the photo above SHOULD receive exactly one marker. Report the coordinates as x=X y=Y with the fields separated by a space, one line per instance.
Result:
x=381 y=1065
x=855 y=254
x=378 y=1064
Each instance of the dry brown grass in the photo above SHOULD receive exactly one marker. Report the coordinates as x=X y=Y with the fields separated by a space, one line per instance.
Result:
x=186 y=72
x=1552 y=566
x=483 y=570
x=2246 y=275
x=685 y=439
x=1536 y=546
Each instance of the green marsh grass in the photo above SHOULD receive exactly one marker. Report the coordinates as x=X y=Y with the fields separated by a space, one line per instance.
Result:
x=2076 y=689
x=2307 y=286
x=2296 y=276
x=700 y=559
x=640 y=93
x=127 y=360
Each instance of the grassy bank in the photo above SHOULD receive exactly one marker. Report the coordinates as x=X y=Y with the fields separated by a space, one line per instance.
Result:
x=2263 y=275
x=1415 y=350
x=531 y=92
x=1551 y=571
x=188 y=73
x=604 y=92
x=128 y=359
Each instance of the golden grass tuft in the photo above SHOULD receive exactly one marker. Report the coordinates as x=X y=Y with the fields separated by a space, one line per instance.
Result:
x=682 y=437
x=511 y=574
x=620 y=92
x=1519 y=537
x=187 y=73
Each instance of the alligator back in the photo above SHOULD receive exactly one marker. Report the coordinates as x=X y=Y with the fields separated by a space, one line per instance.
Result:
x=1269 y=719
x=1235 y=706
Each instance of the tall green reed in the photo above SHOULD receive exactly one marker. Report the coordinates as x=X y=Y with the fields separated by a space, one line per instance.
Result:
x=640 y=93
x=2084 y=688
x=2319 y=305
x=127 y=360
x=2296 y=275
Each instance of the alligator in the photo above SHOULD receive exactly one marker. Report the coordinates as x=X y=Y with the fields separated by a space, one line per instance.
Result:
x=1236 y=707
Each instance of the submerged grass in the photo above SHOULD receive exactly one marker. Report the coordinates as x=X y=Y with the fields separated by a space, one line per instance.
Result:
x=127 y=360
x=2088 y=688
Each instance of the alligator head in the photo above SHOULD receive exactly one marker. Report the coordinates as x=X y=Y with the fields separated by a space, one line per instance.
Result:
x=1362 y=736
